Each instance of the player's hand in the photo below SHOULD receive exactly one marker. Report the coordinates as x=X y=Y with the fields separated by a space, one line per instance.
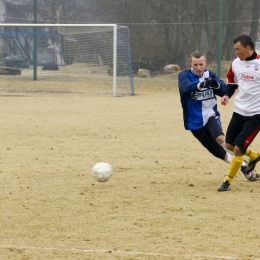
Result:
x=207 y=83
x=224 y=100
x=215 y=84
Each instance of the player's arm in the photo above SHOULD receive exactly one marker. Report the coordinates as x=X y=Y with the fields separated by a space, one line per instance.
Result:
x=230 y=90
x=224 y=100
x=218 y=85
x=231 y=87
x=231 y=83
x=185 y=84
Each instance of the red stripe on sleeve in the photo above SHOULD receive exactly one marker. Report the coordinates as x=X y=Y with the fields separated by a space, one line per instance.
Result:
x=230 y=75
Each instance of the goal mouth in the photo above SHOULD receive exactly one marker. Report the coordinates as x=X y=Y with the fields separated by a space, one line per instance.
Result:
x=82 y=58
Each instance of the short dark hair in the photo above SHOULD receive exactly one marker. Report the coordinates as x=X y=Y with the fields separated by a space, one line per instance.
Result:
x=198 y=54
x=245 y=40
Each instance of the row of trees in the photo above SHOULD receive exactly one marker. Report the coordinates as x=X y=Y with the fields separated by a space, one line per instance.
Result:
x=162 y=29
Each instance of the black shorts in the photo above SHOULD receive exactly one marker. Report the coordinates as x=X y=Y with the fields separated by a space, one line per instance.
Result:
x=207 y=136
x=242 y=130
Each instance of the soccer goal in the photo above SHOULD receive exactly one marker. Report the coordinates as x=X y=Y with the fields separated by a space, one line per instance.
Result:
x=87 y=58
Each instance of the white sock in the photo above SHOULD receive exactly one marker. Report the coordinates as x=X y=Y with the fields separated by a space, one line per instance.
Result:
x=228 y=151
x=229 y=158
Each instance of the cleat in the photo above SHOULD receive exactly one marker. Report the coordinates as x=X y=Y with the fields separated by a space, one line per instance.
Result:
x=243 y=169
x=225 y=186
x=252 y=164
x=251 y=176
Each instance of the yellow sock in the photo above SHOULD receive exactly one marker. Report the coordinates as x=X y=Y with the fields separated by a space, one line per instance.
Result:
x=234 y=167
x=251 y=154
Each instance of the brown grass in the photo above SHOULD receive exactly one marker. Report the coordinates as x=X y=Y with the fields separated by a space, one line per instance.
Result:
x=161 y=202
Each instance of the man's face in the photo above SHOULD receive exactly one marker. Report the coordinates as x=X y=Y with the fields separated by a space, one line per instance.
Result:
x=242 y=52
x=198 y=65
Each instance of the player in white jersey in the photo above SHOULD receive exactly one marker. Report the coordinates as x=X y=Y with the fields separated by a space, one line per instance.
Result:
x=244 y=74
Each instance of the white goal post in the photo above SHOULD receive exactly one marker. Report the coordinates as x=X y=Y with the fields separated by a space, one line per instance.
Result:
x=95 y=57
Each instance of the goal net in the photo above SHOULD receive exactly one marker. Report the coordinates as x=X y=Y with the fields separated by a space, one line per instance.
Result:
x=66 y=58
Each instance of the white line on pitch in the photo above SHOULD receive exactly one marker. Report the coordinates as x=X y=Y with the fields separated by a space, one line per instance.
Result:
x=115 y=251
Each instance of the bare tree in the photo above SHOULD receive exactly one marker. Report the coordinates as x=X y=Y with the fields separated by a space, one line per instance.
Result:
x=166 y=30
x=255 y=20
x=171 y=29
x=63 y=11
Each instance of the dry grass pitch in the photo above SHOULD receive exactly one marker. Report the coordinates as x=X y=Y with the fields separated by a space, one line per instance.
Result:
x=161 y=202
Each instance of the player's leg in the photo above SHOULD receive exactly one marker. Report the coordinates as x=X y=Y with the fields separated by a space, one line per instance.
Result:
x=214 y=128
x=208 y=135
x=245 y=138
x=233 y=130
x=236 y=131
x=204 y=137
x=233 y=138
x=253 y=162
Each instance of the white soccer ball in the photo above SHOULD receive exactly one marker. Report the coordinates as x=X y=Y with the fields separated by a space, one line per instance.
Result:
x=102 y=171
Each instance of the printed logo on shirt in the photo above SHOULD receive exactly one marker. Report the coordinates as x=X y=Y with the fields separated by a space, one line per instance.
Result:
x=203 y=95
x=247 y=76
x=256 y=68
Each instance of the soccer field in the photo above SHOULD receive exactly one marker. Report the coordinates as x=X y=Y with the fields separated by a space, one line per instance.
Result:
x=161 y=202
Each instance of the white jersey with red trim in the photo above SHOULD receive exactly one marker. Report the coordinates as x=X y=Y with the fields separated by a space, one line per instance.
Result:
x=246 y=74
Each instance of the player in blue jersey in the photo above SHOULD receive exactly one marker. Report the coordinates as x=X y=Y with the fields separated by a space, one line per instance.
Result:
x=198 y=90
x=244 y=75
